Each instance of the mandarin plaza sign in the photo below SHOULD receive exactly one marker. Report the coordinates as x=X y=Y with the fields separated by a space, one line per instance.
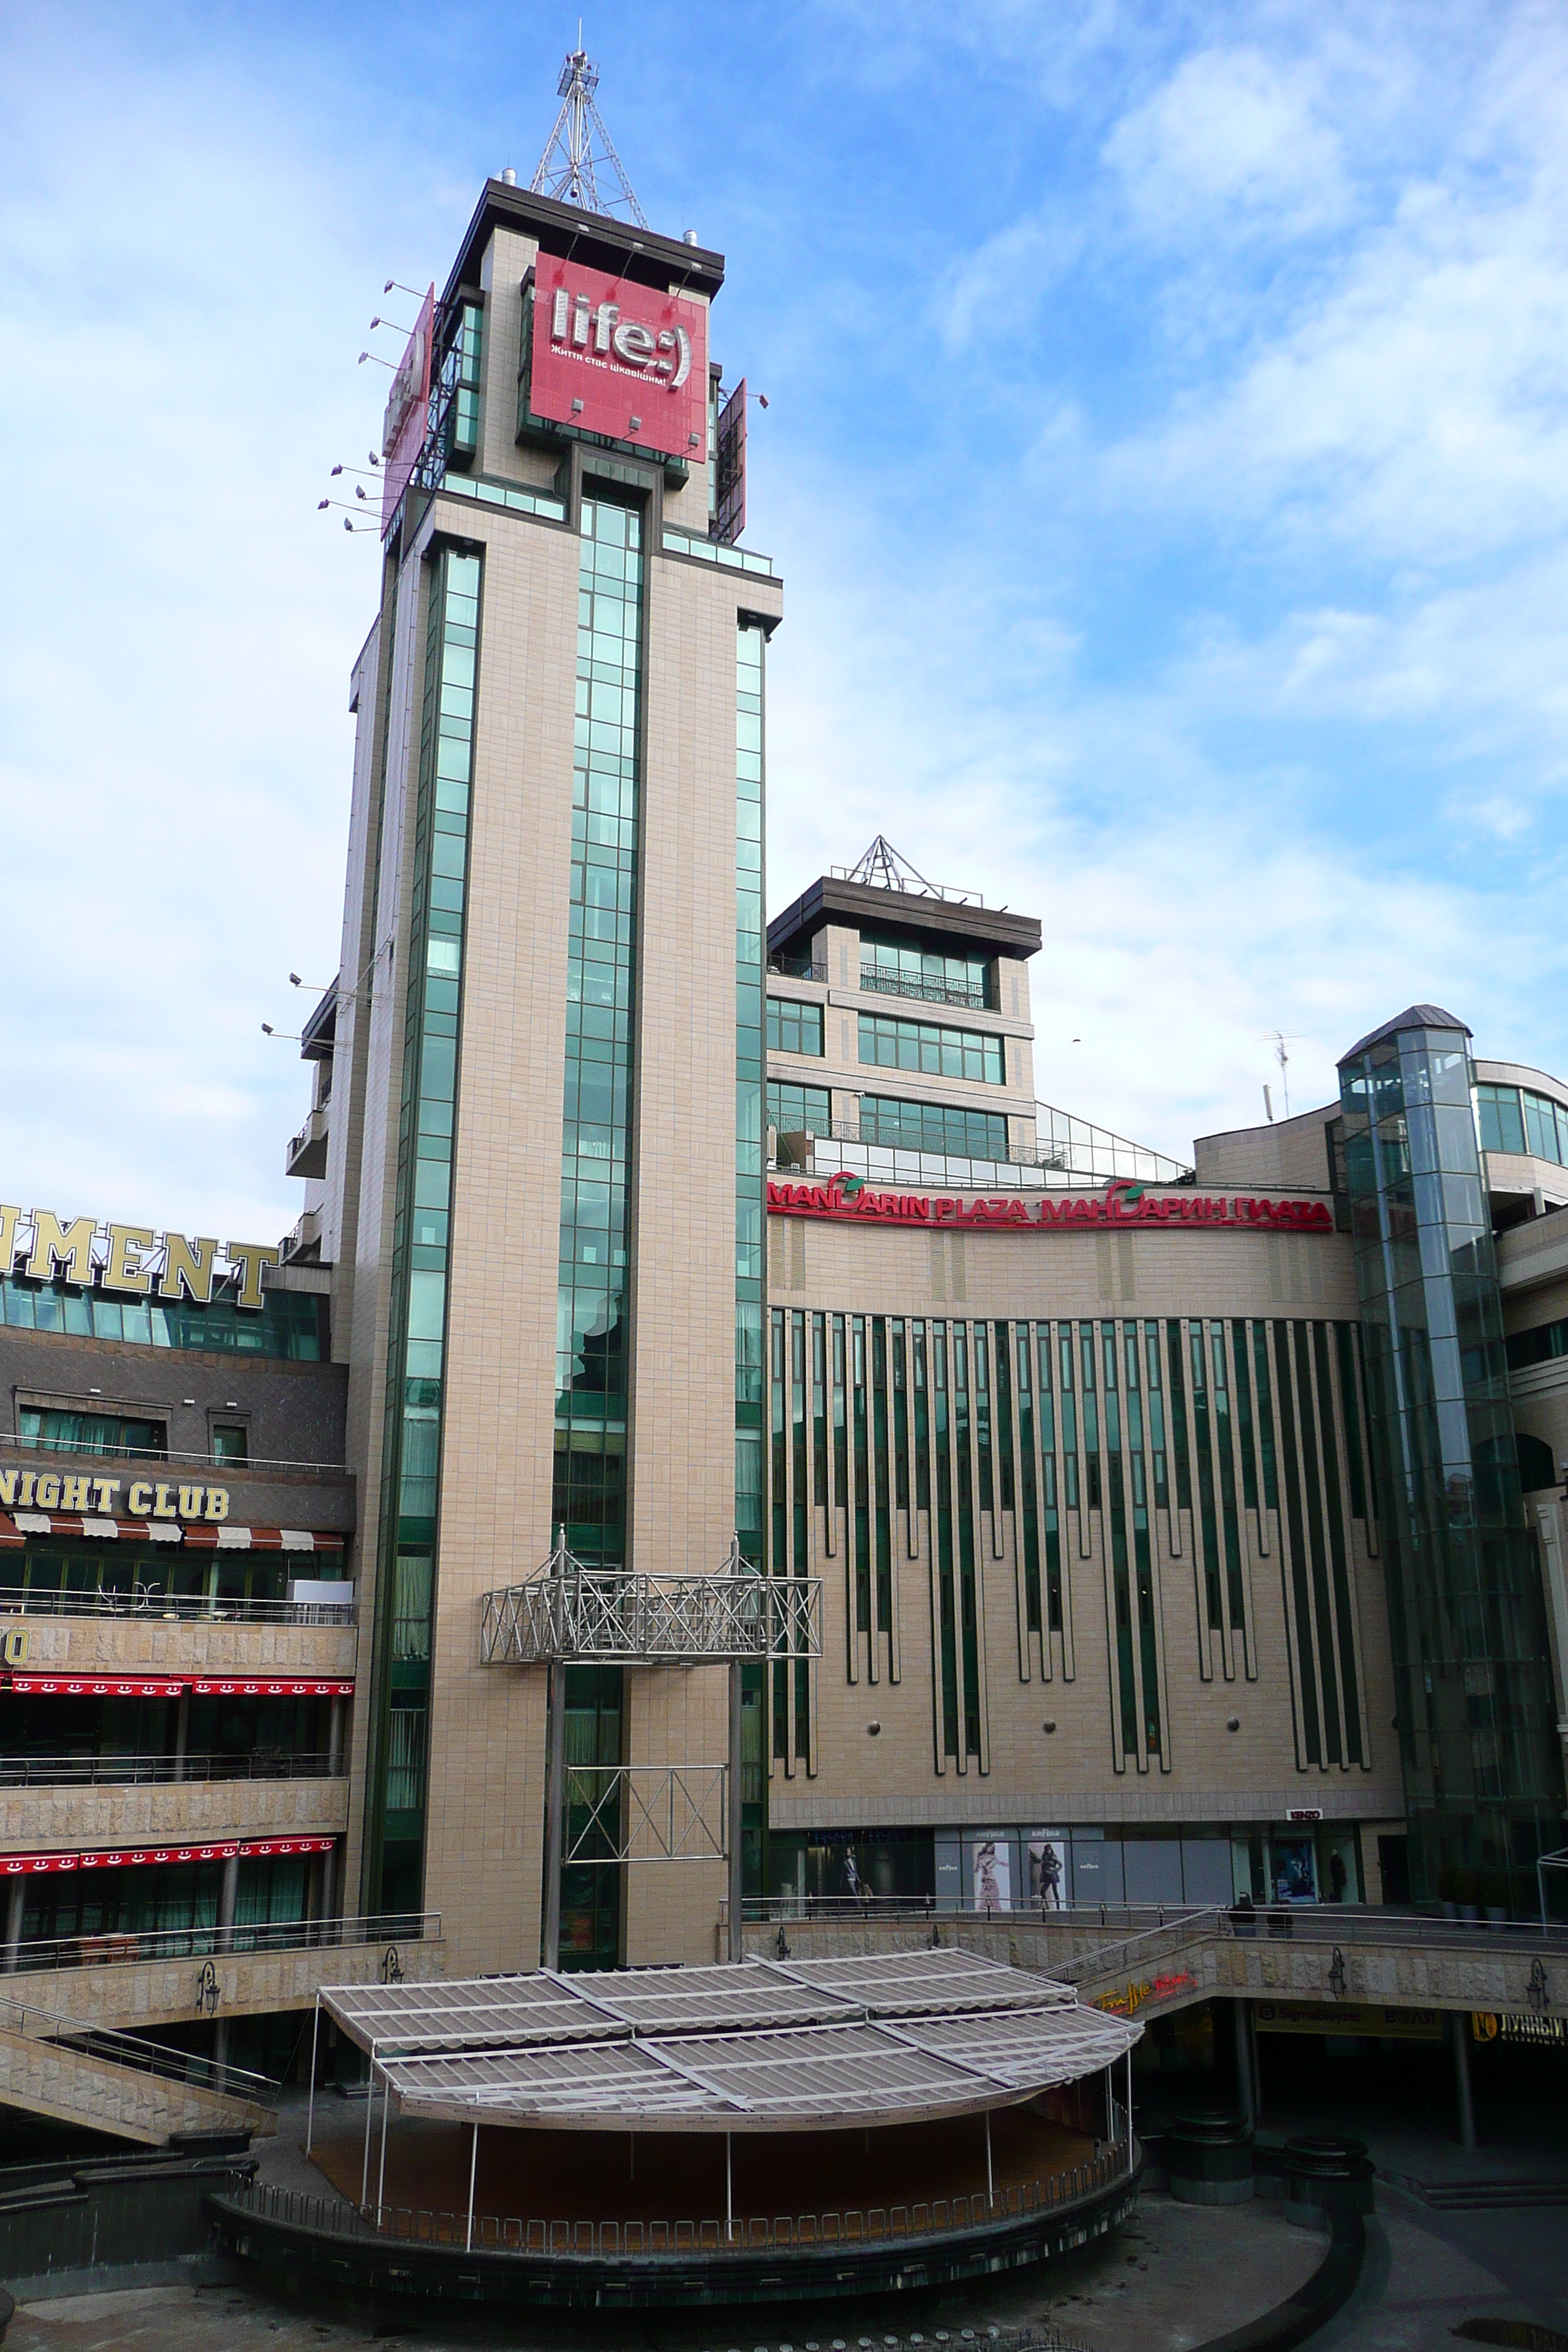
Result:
x=132 y=1260
x=1122 y=1204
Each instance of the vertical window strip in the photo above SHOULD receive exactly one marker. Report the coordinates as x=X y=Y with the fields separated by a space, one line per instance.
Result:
x=883 y=1502
x=968 y=1597
x=778 y=1482
x=1207 y=1518
x=797 y=1469
x=1027 y=1442
x=421 y=1235
x=862 y=1539
x=1053 y=1482
x=1350 y=1403
x=1244 y=1428
x=1312 y=1410
x=1005 y=1417
x=591 y=1365
x=1159 y=1453
x=1224 y=1442
x=983 y=1434
x=947 y=1614
x=1295 y=1548
x=1068 y=1407
x=1179 y=1416
x=1339 y=1544
x=819 y=1419
x=1143 y=1543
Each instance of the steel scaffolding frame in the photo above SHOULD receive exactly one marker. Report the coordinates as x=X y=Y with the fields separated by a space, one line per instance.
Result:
x=567 y=1612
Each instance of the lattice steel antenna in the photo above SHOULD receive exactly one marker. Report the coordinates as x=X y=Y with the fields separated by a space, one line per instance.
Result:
x=568 y=169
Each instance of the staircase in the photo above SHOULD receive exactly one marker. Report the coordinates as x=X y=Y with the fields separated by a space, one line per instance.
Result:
x=1491 y=2196
x=116 y=2082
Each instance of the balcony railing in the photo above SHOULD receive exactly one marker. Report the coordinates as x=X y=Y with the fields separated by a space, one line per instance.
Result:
x=884 y=983
x=126 y=1949
x=150 y=1600
x=239 y=1469
x=797 y=967
x=306 y=1152
x=147 y=1771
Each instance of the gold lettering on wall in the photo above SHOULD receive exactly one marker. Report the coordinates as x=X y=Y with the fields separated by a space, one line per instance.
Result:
x=9 y=1218
x=251 y=1257
x=71 y=1245
x=119 y=1273
x=189 y=1267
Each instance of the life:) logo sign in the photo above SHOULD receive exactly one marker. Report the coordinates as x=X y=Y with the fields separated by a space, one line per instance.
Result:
x=619 y=359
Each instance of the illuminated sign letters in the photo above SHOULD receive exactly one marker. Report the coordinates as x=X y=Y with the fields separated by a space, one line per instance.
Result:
x=1121 y=1203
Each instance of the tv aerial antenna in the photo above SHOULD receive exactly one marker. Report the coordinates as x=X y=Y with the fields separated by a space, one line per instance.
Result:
x=579 y=148
x=1279 y=1040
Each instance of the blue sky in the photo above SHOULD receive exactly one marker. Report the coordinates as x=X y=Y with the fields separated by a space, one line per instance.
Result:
x=1166 y=455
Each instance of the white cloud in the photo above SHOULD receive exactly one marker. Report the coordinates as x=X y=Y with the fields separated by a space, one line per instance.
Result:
x=1412 y=406
x=1232 y=140
x=183 y=274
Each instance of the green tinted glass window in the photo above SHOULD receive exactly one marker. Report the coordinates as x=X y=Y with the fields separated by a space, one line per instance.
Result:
x=793 y=1027
x=795 y=1110
x=928 y=1046
x=933 y=1126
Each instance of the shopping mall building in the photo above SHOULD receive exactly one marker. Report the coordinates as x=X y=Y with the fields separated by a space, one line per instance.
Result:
x=1171 y=1532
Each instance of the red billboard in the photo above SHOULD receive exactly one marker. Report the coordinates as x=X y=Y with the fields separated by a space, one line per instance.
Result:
x=619 y=359
x=403 y=427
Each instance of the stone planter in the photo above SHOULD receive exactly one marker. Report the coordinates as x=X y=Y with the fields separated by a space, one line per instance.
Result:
x=1325 y=2177
x=1208 y=2158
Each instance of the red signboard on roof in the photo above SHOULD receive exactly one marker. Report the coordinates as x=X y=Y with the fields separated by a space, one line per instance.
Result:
x=619 y=359
x=407 y=407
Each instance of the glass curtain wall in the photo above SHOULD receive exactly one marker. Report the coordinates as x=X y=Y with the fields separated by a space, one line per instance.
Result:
x=406 y=1586
x=590 y=1487
x=1466 y=1607
x=750 y=1192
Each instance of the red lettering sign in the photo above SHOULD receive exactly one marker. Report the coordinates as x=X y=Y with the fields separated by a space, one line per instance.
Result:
x=619 y=359
x=1121 y=1203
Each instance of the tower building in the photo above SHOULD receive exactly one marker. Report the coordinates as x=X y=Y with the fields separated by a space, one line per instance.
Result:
x=543 y=1182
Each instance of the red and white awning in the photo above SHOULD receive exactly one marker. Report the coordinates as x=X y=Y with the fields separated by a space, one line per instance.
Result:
x=171 y=1685
x=19 y=1526
x=27 y=1866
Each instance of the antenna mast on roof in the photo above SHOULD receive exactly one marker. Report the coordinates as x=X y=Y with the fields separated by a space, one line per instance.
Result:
x=580 y=146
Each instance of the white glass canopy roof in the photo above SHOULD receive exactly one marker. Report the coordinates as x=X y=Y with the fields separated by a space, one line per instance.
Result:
x=769 y=2045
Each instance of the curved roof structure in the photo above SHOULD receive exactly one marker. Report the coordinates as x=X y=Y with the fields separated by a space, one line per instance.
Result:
x=769 y=2045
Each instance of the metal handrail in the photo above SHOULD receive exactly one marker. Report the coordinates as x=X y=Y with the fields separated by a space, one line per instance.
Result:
x=150 y=1602
x=130 y=2050
x=876 y=979
x=797 y=967
x=144 y=1772
x=1325 y=1923
x=132 y=1947
x=864 y=2225
x=164 y=1454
